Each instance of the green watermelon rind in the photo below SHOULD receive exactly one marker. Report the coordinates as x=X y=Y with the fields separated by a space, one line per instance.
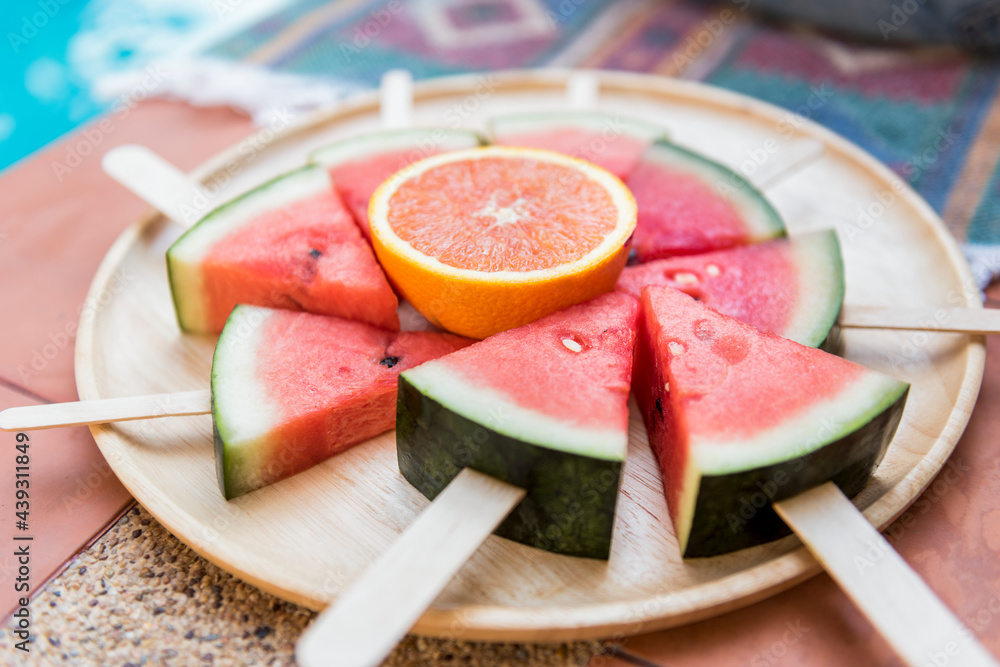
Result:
x=237 y=430
x=571 y=500
x=828 y=421
x=588 y=120
x=818 y=258
x=183 y=256
x=733 y=511
x=366 y=145
x=482 y=405
x=764 y=221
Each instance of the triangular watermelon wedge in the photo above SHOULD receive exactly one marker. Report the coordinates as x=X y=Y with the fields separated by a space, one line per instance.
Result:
x=289 y=243
x=292 y=389
x=360 y=164
x=793 y=287
x=612 y=141
x=689 y=204
x=739 y=418
x=543 y=406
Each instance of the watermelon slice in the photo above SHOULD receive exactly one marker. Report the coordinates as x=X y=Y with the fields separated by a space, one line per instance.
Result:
x=689 y=204
x=359 y=165
x=739 y=418
x=792 y=287
x=543 y=406
x=292 y=389
x=611 y=141
x=289 y=243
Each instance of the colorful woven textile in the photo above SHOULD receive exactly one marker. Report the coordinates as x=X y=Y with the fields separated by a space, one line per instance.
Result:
x=931 y=113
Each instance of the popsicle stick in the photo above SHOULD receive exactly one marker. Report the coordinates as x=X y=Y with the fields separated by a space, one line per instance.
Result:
x=105 y=410
x=364 y=625
x=977 y=321
x=791 y=156
x=895 y=599
x=157 y=182
x=396 y=99
x=582 y=90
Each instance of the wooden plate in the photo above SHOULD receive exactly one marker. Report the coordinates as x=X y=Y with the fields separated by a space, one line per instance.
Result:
x=305 y=538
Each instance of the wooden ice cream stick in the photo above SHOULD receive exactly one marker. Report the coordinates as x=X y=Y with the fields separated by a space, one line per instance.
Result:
x=396 y=99
x=81 y=413
x=159 y=183
x=582 y=90
x=792 y=156
x=973 y=321
x=365 y=623
x=908 y=615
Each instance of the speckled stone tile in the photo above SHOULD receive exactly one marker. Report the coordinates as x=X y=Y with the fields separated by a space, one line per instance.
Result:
x=139 y=596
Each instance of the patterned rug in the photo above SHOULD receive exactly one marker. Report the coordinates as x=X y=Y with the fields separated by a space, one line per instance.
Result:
x=932 y=113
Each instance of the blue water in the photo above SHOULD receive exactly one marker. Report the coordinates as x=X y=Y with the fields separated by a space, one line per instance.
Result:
x=52 y=55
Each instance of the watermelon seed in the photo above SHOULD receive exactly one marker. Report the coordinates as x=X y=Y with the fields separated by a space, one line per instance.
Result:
x=572 y=345
x=666 y=387
x=675 y=348
x=389 y=362
x=315 y=253
x=685 y=278
x=659 y=406
x=712 y=270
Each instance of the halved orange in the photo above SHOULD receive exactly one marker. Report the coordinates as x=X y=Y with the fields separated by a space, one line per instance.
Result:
x=487 y=239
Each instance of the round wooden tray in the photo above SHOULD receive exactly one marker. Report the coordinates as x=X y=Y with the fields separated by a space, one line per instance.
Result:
x=305 y=538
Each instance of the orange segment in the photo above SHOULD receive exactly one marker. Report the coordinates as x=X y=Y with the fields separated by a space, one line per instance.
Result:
x=491 y=238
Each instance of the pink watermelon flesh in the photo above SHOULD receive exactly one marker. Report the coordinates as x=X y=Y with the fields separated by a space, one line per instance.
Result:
x=680 y=215
x=358 y=179
x=722 y=398
x=543 y=406
x=618 y=154
x=289 y=243
x=750 y=283
x=527 y=365
x=688 y=205
x=792 y=287
x=322 y=385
